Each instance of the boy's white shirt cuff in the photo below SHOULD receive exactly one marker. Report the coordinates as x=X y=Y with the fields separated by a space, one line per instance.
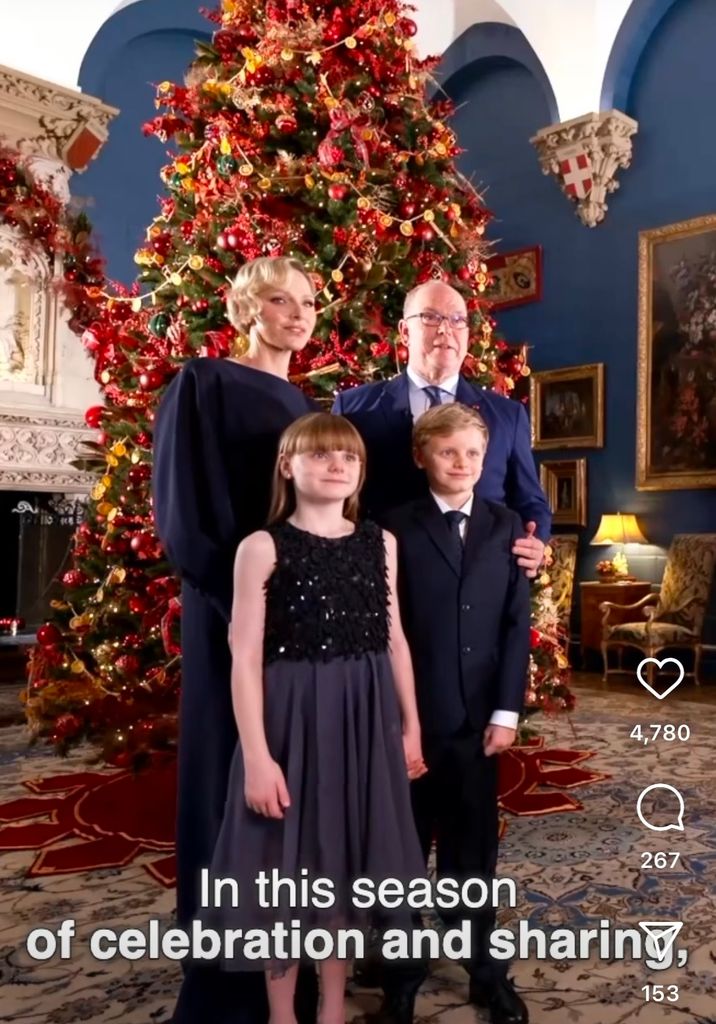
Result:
x=507 y=718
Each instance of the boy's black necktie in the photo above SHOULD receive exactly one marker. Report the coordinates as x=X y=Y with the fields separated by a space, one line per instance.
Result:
x=453 y=519
x=434 y=395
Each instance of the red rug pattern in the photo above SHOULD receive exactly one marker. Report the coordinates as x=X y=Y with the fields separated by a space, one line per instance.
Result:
x=114 y=816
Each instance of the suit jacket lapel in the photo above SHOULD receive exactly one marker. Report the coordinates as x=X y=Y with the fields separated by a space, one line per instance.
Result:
x=479 y=529
x=396 y=398
x=432 y=521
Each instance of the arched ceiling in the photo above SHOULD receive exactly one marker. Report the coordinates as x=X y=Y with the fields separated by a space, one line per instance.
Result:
x=573 y=39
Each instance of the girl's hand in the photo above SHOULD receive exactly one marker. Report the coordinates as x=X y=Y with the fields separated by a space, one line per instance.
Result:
x=265 y=789
x=412 y=748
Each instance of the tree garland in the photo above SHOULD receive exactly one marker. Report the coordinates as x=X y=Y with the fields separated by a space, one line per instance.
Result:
x=44 y=222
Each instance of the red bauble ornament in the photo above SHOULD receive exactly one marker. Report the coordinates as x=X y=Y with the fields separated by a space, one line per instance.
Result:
x=286 y=123
x=48 y=634
x=93 y=416
x=232 y=240
x=407 y=208
x=221 y=240
x=73 y=578
x=138 y=604
x=337 y=191
x=151 y=380
x=263 y=75
x=142 y=543
x=128 y=664
x=424 y=232
x=464 y=274
x=535 y=638
x=408 y=27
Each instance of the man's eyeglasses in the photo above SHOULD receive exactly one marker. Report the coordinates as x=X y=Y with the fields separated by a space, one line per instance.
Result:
x=457 y=321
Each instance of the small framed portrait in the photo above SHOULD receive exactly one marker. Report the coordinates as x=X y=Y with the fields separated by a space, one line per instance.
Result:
x=565 y=484
x=567 y=407
x=516 y=277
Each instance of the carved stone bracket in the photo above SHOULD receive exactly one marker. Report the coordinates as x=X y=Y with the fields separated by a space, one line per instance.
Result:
x=584 y=155
x=47 y=120
x=37 y=449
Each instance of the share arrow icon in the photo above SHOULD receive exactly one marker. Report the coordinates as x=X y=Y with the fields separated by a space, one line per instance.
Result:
x=660 y=935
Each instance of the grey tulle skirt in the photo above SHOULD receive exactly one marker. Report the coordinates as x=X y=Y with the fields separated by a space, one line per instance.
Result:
x=335 y=730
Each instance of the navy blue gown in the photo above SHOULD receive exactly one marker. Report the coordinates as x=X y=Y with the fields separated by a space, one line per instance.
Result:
x=215 y=442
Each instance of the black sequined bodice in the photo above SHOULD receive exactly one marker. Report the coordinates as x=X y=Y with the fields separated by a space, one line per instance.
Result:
x=327 y=597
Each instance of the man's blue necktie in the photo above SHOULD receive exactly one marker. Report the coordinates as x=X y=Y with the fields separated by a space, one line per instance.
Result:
x=434 y=395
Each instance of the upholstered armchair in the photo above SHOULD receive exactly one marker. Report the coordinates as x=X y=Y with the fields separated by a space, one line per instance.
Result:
x=675 y=614
x=561 y=571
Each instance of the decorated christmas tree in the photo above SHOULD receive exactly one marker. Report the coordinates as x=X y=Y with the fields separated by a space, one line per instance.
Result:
x=302 y=129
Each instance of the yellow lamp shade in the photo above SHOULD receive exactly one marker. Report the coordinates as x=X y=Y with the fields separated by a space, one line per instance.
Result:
x=618 y=528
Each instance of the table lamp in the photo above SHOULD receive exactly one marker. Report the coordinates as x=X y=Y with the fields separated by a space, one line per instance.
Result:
x=619 y=528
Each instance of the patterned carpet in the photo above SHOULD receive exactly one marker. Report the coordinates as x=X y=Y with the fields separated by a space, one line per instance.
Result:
x=572 y=870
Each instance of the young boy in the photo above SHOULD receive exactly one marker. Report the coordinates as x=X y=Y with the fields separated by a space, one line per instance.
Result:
x=465 y=608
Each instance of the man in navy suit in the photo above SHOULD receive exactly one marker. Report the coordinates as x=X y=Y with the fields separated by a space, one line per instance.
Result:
x=465 y=607
x=435 y=331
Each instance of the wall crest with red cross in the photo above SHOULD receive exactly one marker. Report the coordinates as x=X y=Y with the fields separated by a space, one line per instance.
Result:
x=584 y=155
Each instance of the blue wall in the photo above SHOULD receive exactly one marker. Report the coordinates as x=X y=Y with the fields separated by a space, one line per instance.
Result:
x=146 y=43
x=588 y=312
x=589 y=309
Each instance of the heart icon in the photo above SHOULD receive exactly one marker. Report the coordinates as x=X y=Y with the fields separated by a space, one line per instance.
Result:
x=660 y=664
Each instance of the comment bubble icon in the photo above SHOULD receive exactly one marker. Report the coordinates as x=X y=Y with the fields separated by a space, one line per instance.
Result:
x=676 y=824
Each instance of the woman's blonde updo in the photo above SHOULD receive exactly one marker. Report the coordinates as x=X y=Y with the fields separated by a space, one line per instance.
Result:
x=243 y=300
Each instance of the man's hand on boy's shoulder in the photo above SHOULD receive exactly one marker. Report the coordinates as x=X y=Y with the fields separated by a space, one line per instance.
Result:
x=529 y=551
x=497 y=738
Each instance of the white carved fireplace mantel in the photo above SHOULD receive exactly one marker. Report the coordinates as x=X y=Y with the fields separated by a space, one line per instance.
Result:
x=36 y=451
x=46 y=380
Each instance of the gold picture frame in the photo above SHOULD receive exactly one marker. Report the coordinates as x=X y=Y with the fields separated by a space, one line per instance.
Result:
x=676 y=361
x=564 y=482
x=567 y=407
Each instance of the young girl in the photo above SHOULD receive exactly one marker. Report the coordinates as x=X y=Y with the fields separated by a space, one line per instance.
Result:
x=324 y=700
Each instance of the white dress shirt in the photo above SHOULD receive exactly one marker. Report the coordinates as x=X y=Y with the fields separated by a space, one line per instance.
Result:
x=507 y=718
x=419 y=401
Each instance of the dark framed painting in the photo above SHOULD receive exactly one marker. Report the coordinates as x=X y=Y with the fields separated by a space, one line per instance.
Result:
x=516 y=277
x=567 y=407
x=676 y=365
x=565 y=484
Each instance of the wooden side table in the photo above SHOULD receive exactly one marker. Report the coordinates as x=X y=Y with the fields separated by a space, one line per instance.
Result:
x=592 y=595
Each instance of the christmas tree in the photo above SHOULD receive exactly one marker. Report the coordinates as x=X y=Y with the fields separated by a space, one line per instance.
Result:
x=302 y=129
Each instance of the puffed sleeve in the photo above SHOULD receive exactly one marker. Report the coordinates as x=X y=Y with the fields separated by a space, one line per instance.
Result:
x=193 y=514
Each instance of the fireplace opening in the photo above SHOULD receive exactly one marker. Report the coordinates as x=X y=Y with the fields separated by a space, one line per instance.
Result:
x=36 y=532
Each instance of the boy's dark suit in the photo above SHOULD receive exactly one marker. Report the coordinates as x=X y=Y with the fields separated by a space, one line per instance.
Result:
x=467 y=620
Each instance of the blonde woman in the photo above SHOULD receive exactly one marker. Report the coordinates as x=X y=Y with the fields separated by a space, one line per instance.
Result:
x=215 y=443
